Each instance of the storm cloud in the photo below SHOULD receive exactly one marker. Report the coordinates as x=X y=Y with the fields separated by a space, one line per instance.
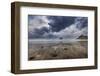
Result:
x=52 y=27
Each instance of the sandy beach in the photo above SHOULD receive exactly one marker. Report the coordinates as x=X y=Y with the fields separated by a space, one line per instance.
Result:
x=60 y=50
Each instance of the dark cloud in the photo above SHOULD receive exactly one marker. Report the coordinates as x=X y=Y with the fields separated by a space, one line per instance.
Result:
x=81 y=22
x=38 y=33
x=51 y=27
x=60 y=22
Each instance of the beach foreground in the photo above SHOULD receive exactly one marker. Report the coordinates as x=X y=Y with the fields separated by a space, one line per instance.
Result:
x=50 y=51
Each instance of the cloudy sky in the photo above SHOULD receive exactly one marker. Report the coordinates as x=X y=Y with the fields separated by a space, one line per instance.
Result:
x=54 y=27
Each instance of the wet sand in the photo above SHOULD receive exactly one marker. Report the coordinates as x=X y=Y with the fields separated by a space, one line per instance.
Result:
x=50 y=51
